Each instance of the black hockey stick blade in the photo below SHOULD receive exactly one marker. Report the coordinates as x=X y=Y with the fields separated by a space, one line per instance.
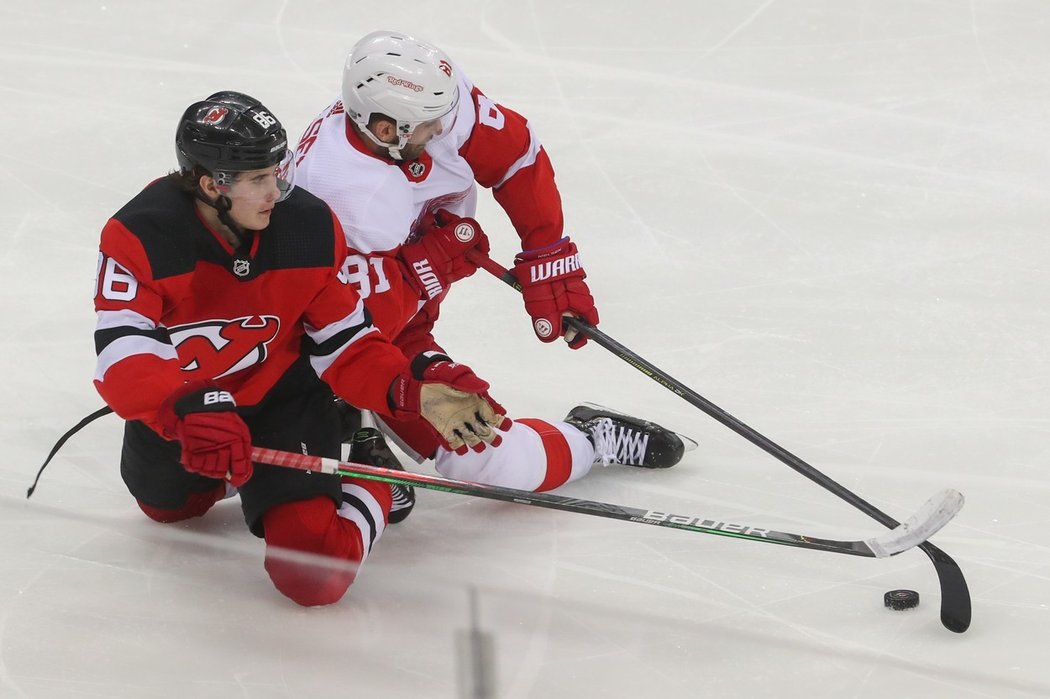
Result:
x=956 y=610
x=955 y=595
x=936 y=513
x=956 y=607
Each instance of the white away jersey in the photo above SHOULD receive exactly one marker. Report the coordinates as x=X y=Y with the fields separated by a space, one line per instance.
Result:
x=379 y=201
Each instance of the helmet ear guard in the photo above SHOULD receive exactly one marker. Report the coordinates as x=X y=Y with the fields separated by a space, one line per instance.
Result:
x=400 y=77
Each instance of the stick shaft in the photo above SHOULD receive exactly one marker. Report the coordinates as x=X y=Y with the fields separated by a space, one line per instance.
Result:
x=558 y=502
x=694 y=398
x=955 y=595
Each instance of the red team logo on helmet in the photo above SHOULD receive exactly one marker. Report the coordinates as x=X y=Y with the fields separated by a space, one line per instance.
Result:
x=445 y=68
x=215 y=115
x=217 y=348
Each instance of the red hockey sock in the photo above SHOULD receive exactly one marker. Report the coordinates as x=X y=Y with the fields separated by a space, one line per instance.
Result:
x=313 y=526
x=376 y=490
x=556 y=449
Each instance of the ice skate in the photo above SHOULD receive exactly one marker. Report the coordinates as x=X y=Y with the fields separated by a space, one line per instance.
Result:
x=367 y=446
x=631 y=441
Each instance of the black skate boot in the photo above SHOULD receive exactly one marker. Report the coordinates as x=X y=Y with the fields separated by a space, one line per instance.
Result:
x=631 y=441
x=367 y=446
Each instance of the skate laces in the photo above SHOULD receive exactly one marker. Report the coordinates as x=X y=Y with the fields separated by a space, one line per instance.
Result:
x=618 y=444
x=400 y=497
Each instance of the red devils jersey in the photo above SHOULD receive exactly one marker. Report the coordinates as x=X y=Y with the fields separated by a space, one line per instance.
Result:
x=381 y=203
x=176 y=303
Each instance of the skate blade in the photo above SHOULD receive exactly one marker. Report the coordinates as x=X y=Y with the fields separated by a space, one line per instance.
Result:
x=688 y=442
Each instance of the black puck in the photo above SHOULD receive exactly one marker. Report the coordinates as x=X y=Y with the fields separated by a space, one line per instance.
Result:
x=901 y=599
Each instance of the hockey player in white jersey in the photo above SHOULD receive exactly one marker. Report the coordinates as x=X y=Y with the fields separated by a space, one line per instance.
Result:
x=399 y=158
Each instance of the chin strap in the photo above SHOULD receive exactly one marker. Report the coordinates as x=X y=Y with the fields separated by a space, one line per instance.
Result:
x=394 y=149
x=241 y=264
x=222 y=206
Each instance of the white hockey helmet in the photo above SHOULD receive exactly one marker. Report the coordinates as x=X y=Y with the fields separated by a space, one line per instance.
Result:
x=410 y=81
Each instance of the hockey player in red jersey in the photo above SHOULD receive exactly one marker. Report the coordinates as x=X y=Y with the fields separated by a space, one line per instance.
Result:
x=223 y=322
x=398 y=159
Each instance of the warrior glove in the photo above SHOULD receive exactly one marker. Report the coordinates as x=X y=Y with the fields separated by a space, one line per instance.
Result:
x=552 y=285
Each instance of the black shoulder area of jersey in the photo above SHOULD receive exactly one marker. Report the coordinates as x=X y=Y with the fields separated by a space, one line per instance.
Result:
x=301 y=234
x=162 y=217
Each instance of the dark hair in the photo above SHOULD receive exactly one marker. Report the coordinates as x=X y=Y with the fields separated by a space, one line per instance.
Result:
x=189 y=180
x=186 y=180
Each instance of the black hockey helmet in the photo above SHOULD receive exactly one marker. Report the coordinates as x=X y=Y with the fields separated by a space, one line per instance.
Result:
x=229 y=132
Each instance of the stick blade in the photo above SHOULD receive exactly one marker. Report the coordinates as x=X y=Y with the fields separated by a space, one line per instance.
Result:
x=930 y=519
x=955 y=595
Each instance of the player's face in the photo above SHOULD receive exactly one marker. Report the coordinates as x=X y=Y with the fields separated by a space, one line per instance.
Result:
x=252 y=198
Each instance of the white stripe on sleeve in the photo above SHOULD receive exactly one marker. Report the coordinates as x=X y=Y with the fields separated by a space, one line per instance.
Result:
x=108 y=320
x=320 y=335
x=128 y=346
x=527 y=159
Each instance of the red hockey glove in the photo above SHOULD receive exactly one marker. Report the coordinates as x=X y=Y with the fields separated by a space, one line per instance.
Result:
x=552 y=284
x=438 y=258
x=215 y=441
x=452 y=399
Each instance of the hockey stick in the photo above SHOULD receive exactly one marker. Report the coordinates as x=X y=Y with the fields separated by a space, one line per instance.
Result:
x=955 y=595
x=929 y=519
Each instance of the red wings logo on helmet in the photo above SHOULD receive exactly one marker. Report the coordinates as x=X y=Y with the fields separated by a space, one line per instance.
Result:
x=402 y=82
x=215 y=115
x=216 y=348
x=445 y=68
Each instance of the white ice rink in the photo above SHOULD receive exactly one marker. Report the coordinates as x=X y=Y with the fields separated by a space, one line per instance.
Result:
x=829 y=217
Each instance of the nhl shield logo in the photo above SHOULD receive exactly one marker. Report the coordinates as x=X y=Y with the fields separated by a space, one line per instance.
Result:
x=417 y=168
x=242 y=267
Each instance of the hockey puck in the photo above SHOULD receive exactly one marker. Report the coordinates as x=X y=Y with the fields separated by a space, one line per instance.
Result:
x=901 y=599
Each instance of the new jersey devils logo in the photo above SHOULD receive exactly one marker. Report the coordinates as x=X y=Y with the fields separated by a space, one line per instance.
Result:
x=214 y=115
x=217 y=348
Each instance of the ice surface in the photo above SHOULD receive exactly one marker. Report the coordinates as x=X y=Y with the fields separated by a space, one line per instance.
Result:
x=829 y=217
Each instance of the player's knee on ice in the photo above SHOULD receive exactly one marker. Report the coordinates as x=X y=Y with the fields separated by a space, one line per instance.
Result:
x=311 y=526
